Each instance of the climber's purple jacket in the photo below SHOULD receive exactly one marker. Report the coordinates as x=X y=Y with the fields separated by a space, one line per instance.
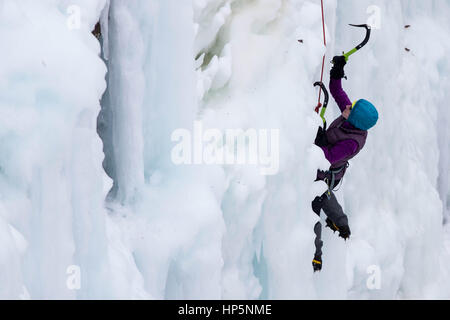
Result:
x=346 y=142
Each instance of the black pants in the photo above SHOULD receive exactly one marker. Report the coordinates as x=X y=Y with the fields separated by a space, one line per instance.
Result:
x=334 y=212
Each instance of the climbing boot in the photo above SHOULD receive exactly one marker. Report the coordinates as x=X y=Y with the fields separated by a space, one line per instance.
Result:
x=331 y=225
x=344 y=232
x=317 y=263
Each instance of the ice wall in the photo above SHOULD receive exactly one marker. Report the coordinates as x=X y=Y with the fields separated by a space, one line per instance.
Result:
x=52 y=196
x=170 y=217
x=252 y=73
x=391 y=192
x=155 y=230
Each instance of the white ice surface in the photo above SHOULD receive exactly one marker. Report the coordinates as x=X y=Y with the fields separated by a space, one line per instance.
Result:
x=217 y=231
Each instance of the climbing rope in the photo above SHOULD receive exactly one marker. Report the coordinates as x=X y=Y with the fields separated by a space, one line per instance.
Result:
x=319 y=104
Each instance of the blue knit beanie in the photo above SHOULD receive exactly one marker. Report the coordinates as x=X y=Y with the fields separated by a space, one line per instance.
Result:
x=364 y=115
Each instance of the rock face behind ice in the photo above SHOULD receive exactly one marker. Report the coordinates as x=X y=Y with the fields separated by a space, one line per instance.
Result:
x=156 y=230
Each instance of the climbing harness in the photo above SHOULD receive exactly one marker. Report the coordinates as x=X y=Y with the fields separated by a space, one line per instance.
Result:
x=329 y=177
x=332 y=173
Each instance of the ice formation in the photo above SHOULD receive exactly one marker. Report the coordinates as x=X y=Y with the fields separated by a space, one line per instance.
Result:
x=92 y=205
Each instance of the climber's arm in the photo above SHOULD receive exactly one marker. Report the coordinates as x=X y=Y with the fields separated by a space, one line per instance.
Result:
x=336 y=75
x=339 y=94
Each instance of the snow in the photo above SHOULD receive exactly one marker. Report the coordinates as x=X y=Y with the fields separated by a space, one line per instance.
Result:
x=144 y=227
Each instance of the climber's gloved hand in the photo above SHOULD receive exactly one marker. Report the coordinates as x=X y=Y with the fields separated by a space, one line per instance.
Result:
x=337 y=72
x=339 y=61
x=317 y=263
x=321 y=138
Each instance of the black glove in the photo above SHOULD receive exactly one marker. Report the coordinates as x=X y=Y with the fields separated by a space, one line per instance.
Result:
x=321 y=138
x=317 y=263
x=337 y=72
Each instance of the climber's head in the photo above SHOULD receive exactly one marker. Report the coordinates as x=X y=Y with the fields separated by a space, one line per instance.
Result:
x=362 y=114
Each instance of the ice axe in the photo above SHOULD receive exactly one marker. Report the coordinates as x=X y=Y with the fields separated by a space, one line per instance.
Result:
x=325 y=103
x=362 y=44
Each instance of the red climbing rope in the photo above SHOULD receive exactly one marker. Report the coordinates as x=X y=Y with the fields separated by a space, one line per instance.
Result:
x=323 y=60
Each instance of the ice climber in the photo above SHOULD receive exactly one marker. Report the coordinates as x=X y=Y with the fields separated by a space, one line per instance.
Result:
x=343 y=140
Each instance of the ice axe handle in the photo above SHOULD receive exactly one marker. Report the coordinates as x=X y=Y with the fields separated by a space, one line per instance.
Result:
x=325 y=102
